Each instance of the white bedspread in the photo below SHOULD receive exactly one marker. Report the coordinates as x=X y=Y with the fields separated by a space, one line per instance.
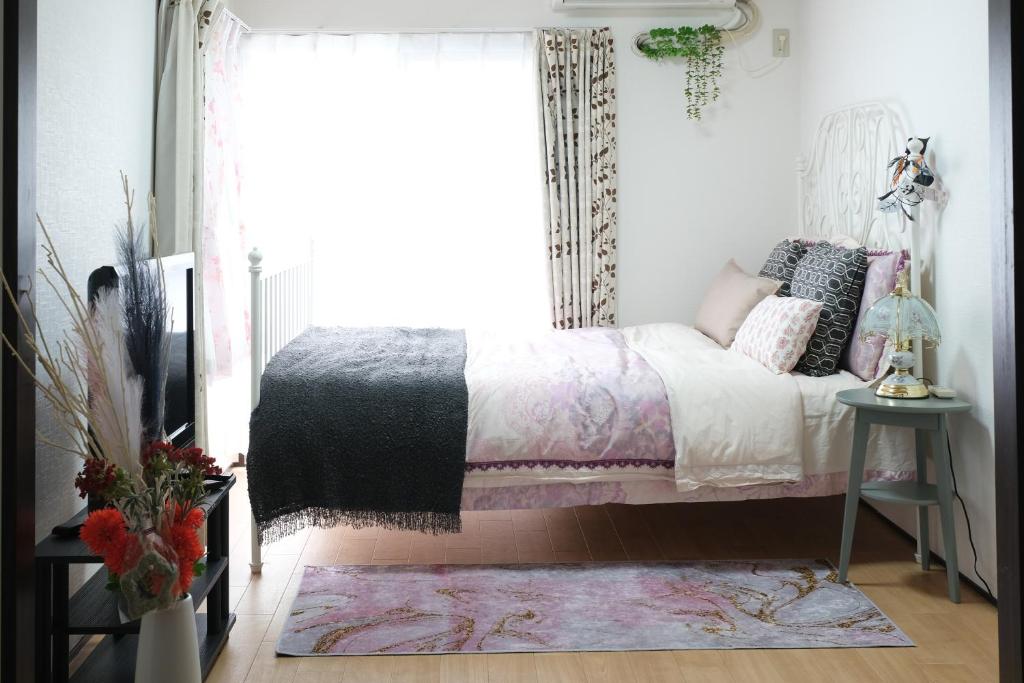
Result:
x=734 y=422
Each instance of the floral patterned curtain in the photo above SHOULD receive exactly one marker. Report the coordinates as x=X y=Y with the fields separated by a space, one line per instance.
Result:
x=577 y=87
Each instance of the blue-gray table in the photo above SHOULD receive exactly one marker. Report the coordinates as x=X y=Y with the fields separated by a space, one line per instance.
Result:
x=927 y=417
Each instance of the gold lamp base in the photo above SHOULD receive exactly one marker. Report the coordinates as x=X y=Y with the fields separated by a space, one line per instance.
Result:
x=901 y=384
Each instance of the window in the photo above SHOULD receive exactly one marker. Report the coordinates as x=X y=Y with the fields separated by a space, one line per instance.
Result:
x=412 y=163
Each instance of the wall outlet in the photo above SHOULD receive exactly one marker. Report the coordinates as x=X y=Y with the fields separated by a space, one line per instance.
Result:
x=780 y=42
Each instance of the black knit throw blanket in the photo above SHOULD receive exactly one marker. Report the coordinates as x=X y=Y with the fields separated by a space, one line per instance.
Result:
x=361 y=426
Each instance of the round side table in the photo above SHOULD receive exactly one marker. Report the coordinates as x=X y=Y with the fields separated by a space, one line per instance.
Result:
x=927 y=417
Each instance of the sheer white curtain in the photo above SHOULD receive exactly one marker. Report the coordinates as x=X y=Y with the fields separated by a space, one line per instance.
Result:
x=412 y=162
x=222 y=252
x=183 y=29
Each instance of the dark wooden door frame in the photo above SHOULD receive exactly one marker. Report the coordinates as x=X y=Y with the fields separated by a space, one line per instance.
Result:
x=17 y=529
x=1005 y=96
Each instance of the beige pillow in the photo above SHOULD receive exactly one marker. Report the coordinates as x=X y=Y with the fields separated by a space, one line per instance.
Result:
x=731 y=296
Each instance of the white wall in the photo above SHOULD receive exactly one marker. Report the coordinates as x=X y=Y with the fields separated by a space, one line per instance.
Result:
x=931 y=61
x=95 y=118
x=690 y=195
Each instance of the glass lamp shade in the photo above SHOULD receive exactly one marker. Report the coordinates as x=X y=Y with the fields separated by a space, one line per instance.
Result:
x=901 y=317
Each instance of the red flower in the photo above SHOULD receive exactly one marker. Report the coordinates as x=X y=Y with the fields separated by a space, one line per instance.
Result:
x=195 y=518
x=180 y=533
x=104 y=531
x=192 y=457
x=184 y=540
x=186 y=543
x=96 y=478
x=185 y=577
x=154 y=449
x=125 y=557
x=195 y=458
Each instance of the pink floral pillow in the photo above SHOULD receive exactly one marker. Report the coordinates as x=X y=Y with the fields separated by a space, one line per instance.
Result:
x=861 y=357
x=776 y=332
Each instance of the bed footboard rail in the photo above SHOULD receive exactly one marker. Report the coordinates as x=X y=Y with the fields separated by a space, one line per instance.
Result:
x=281 y=308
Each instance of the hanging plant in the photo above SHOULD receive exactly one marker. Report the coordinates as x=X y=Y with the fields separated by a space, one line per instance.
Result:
x=702 y=48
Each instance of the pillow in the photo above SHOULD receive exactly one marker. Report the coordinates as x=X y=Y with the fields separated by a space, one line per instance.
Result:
x=835 y=277
x=861 y=357
x=776 y=332
x=782 y=262
x=728 y=301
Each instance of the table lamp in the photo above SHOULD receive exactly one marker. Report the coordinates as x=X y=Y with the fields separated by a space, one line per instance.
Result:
x=901 y=317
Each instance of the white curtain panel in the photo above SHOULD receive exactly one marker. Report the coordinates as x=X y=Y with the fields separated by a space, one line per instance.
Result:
x=183 y=25
x=411 y=163
x=225 y=279
x=576 y=69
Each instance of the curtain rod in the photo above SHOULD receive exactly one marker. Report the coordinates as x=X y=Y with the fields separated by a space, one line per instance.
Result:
x=224 y=11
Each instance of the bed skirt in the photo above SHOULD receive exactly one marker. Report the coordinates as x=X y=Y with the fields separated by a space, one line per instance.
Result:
x=655 y=491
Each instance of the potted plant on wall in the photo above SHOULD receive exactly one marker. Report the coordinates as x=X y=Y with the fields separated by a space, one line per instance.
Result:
x=702 y=49
x=103 y=378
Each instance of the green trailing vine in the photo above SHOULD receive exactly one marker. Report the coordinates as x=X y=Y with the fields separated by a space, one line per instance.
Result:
x=702 y=48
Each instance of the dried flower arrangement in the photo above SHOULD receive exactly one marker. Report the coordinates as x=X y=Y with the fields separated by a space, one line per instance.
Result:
x=104 y=380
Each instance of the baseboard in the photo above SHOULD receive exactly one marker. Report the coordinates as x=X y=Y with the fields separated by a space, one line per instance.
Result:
x=934 y=557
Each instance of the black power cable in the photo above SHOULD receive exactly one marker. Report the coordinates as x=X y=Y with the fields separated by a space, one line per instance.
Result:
x=967 y=519
x=963 y=506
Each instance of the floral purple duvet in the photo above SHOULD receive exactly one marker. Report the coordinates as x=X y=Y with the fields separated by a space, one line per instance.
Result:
x=573 y=405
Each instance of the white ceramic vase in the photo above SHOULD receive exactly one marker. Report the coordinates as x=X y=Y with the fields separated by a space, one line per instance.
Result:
x=168 y=646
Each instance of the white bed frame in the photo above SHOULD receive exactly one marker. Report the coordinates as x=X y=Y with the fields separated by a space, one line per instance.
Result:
x=837 y=190
x=280 y=310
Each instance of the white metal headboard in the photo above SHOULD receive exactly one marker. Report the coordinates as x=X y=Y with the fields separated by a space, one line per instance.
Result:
x=846 y=171
x=838 y=185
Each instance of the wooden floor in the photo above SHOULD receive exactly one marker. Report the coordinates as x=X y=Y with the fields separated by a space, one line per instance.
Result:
x=954 y=642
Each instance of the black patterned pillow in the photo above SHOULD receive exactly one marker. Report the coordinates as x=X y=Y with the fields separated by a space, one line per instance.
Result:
x=782 y=262
x=835 y=277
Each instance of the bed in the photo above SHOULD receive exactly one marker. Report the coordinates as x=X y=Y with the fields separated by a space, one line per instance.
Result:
x=648 y=414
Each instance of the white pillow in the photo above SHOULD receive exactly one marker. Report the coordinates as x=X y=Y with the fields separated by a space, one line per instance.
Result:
x=776 y=332
x=731 y=296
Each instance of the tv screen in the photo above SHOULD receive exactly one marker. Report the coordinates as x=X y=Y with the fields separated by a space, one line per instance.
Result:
x=179 y=394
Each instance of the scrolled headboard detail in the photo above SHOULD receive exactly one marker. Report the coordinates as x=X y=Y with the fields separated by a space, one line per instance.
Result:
x=838 y=185
x=840 y=181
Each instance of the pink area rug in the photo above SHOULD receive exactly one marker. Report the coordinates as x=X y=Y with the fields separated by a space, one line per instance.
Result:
x=396 y=609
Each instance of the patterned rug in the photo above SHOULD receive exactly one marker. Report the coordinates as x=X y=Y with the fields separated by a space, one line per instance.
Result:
x=396 y=609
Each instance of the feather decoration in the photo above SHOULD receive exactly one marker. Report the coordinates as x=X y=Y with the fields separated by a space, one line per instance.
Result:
x=145 y=319
x=115 y=390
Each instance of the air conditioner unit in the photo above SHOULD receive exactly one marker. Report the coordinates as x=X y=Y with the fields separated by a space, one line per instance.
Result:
x=643 y=4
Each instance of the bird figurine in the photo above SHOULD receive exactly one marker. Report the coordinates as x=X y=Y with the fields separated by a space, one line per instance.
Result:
x=911 y=178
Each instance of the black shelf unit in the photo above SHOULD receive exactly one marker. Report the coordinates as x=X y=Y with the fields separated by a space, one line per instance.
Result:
x=93 y=609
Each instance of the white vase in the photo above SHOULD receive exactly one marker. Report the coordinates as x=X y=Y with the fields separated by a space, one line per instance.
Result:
x=168 y=646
